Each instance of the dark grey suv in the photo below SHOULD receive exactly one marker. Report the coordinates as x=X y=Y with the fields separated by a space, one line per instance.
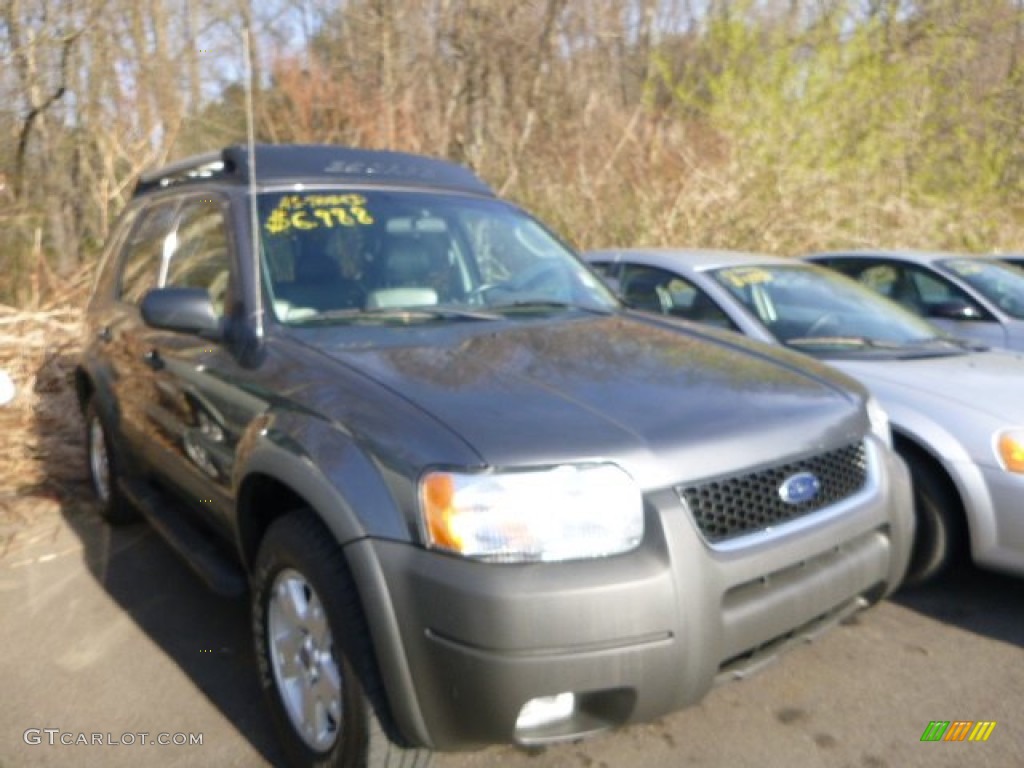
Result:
x=474 y=500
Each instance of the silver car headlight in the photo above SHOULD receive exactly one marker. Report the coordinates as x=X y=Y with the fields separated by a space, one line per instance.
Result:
x=1009 y=446
x=879 y=420
x=567 y=512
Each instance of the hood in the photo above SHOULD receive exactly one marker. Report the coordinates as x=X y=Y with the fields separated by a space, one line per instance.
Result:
x=665 y=402
x=983 y=382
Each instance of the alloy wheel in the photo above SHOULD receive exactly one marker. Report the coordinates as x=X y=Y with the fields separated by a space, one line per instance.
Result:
x=302 y=657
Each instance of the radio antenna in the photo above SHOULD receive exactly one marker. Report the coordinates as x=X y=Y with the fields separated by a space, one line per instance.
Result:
x=254 y=223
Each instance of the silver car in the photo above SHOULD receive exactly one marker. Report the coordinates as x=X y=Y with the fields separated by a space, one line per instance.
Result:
x=956 y=412
x=1014 y=259
x=978 y=298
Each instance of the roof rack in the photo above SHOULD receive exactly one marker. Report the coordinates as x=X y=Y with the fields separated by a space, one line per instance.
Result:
x=316 y=163
x=190 y=169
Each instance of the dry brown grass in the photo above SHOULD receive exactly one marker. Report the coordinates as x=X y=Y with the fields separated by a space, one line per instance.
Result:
x=41 y=453
x=41 y=464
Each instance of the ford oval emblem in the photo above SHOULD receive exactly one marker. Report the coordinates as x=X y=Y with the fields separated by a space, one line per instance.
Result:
x=799 y=488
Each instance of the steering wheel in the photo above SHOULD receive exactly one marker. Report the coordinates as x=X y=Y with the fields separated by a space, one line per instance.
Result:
x=533 y=281
x=535 y=277
x=1009 y=305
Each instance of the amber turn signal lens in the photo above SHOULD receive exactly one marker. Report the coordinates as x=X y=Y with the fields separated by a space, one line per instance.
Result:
x=1011 y=451
x=438 y=493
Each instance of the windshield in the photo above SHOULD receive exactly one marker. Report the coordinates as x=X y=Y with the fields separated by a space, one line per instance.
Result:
x=1000 y=283
x=823 y=312
x=337 y=255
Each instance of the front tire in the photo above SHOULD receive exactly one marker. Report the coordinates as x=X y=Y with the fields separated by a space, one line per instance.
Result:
x=316 y=661
x=940 y=541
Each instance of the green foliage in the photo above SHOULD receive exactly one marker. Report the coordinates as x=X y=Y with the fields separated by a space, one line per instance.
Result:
x=845 y=121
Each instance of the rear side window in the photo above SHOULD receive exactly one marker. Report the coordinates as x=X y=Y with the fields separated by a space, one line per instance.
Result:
x=658 y=290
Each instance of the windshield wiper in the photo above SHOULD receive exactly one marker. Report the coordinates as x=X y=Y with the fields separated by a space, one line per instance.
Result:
x=440 y=312
x=938 y=346
x=836 y=341
x=402 y=313
x=926 y=347
x=950 y=342
x=543 y=304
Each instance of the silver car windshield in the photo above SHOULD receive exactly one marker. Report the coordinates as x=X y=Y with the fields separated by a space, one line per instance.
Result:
x=338 y=255
x=818 y=310
x=1000 y=283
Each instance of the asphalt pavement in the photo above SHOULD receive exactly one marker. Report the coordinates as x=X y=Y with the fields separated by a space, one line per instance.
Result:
x=108 y=638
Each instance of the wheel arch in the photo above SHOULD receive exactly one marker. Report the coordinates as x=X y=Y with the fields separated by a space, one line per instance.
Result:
x=913 y=451
x=277 y=485
x=907 y=445
x=84 y=387
x=265 y=496
x=319 y=468
x=94 y=385
x=389 y=741
x=262 y=499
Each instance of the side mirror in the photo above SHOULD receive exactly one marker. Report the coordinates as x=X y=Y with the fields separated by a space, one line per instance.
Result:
x=954 y=309
x=187 y=310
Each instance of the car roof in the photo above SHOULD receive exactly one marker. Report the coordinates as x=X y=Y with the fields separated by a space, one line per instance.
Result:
x=913 y=256
x=314 y=164
x=693 y=259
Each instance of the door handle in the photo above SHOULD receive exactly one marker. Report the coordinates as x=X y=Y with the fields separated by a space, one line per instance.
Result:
x=153 y=360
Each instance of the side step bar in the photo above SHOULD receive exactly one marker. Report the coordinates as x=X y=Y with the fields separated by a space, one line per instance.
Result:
x=220 y=573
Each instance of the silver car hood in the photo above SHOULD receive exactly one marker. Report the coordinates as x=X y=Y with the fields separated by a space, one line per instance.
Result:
x=990 y=383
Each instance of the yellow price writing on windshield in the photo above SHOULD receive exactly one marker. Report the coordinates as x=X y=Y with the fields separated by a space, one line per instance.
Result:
x=302 y=212
x=964 y=268
x=743 y=276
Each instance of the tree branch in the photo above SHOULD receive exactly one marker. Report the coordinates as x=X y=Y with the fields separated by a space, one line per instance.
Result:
x=37 y=110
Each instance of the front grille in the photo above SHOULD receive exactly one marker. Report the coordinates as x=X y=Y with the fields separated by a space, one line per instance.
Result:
x=732 y=506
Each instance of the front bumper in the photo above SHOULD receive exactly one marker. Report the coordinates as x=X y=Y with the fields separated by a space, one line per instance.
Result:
x=463 y=645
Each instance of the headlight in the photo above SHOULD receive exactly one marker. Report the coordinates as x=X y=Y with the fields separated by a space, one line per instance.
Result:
x=1010 y=450
x=562 y=513
x=879 y=421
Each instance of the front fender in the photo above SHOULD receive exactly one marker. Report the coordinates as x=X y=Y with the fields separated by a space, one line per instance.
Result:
x=955 y=460
x=346 y=488
x=327 y=468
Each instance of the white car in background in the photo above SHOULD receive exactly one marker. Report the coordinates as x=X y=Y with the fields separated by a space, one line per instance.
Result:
x=957 y=413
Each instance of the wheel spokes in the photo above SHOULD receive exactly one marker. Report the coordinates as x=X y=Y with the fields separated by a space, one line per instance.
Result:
x=308 y=678
x=287 y=648
x=291 y=596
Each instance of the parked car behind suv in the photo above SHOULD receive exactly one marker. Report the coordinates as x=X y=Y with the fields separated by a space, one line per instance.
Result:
x=978 y=298
x=1013 y=259
x=956 y=411
x=472 y=498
